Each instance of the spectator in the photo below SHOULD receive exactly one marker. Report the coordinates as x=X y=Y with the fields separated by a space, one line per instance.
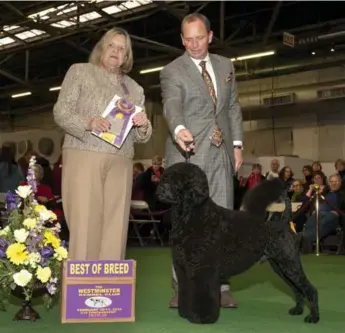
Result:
x=137 y=189
x=308 y=176
x=274 y=173
x=316 y=166
x=286 y=175
x=297 y=189
x=255 y=177
x=10 y=174
x=339 y=166
x=329 y=211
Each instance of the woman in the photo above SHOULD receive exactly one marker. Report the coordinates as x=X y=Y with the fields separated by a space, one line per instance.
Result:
x=96 y=176
x=150 y=182
x=308 y=176
x=255 y=177
x=10 y=173
x=286 y=175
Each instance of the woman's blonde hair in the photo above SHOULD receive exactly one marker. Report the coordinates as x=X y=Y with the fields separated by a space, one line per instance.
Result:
x=96 y=53
x=39 y=170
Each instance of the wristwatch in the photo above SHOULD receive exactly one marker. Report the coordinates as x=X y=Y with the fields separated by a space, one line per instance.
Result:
x=238 y=147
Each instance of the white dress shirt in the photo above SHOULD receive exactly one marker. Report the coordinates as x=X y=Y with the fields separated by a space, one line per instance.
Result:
x=210 y=70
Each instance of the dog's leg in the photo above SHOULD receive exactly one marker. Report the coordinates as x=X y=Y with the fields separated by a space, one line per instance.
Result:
x=204 y=295
x=299 y=296
x=182 y=291
x=292 y=271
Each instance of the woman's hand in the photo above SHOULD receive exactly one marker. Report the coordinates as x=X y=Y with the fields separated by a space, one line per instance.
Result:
x=99 y=123
x=42 y=199
x=140 y=120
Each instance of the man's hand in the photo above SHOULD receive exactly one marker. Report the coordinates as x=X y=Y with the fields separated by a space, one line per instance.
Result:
x=184 y=136
x=238 y=158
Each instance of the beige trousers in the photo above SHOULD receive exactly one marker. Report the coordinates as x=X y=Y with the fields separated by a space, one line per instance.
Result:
x=96 y=196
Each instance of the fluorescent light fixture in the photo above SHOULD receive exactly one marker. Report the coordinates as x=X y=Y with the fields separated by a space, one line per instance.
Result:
x=6 y=40
x=54 y=88
x=254 y=55
x=151 y=70
x=27 y=93
x=249 y=56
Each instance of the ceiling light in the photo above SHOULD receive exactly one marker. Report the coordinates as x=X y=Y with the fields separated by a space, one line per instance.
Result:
x=6 y=40
x=313 y=53
x=54 y=88
x=151 y=70
x=332 y=49
x=27 y=93
x=254 y=55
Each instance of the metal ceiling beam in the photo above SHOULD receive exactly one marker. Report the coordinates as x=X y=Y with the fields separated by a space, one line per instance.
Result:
x=14 y=78
x=158 y=45
x=272 y=21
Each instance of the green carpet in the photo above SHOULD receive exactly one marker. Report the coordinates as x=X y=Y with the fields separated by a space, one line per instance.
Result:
x=264 y=301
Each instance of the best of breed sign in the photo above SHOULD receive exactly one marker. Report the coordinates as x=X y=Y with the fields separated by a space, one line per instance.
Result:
x=98 y=291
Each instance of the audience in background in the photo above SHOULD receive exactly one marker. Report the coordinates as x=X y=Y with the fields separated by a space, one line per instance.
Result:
x=10 y=174
x=297 y=191
x=138 y=188
x=308 y=176
x=255 y=177
x=274 y=173
x=57 y=177
x=286 y=175
x=329 y=211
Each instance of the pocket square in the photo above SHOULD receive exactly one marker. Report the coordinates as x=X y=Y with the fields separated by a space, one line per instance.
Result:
x=229 y=78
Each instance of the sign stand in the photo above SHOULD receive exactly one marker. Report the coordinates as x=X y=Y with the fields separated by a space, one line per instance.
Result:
x=98 y=291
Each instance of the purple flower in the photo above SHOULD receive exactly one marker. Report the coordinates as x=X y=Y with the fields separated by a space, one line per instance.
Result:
x=30 y=178
x=3 y=247
x=51 y=287
x=46 y=251
x=44 y=262
x=10 y=201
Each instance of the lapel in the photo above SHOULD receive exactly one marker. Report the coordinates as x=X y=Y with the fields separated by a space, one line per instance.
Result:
x=220 y=85
x=195 y=75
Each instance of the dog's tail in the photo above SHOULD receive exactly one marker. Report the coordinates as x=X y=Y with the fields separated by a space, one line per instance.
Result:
x=261 y=196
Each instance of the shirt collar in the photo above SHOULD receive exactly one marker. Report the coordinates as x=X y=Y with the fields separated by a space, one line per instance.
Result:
x=197 y=61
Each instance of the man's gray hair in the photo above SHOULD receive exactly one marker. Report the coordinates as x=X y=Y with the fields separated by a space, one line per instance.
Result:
x=335 y=175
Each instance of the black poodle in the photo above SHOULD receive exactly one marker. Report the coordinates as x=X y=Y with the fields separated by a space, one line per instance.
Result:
x=211 y=242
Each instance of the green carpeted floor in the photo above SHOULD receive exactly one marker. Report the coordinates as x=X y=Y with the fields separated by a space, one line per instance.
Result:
x=264 y=302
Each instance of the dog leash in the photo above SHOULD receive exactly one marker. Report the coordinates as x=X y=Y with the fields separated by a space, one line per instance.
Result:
x=187 y=153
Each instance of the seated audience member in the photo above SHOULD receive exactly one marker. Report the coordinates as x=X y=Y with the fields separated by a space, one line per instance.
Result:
x=10 y=174
x=318 y=179
x=57 y=177
x=339 y=166
x=44 y=194
x=308 y=176
x=137 y=187
x=255 y=177
x=150 y=180
x=274 y=173
x=329 y=211
x=286 y=175
x=298 y=192
x=316 y=166
x=23 y=162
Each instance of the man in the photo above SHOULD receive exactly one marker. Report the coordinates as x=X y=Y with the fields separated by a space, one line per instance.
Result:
x=274 y=173
x=204 y=118
x=330 y=212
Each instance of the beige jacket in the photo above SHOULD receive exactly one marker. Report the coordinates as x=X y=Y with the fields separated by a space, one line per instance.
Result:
x=85 y=92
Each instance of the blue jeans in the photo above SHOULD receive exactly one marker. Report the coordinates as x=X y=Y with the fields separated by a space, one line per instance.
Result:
x=329 y=223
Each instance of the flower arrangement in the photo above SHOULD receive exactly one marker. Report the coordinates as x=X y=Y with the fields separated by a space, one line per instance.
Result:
x=31 y=253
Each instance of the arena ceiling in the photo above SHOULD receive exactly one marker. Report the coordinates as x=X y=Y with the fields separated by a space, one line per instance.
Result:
x=39 y=40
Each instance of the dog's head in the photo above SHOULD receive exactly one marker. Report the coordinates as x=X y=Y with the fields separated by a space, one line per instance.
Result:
x=183 y=182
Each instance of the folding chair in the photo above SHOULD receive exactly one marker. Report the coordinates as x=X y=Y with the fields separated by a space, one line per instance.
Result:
x=145 y=216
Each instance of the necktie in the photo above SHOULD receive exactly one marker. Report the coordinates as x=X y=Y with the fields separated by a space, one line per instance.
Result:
x=207 y=78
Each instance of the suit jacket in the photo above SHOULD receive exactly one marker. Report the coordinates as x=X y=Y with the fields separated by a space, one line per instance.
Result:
x=187 y=102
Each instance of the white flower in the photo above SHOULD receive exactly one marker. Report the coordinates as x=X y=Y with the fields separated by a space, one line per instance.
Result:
x=22 y=278
x=34 y=259
x=32 y=161
x=5 y=231
x=56 y=228
x=24 y=191
x=47 y=215
x=21 y=235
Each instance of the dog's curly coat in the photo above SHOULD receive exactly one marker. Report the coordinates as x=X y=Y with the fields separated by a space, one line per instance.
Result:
x=210 y=242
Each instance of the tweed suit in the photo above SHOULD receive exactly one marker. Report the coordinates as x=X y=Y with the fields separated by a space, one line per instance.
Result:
x=187 y=102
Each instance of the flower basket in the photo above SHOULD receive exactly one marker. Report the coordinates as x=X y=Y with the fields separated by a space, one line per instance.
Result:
x=31 y=252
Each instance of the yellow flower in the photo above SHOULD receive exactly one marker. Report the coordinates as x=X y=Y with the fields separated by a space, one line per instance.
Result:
x=17 y=253
x=22 y=278
x=50 y=238
x=30 y=223
x=60 y=253
x=40 y=208
x=43 y=274
x=5 y=231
